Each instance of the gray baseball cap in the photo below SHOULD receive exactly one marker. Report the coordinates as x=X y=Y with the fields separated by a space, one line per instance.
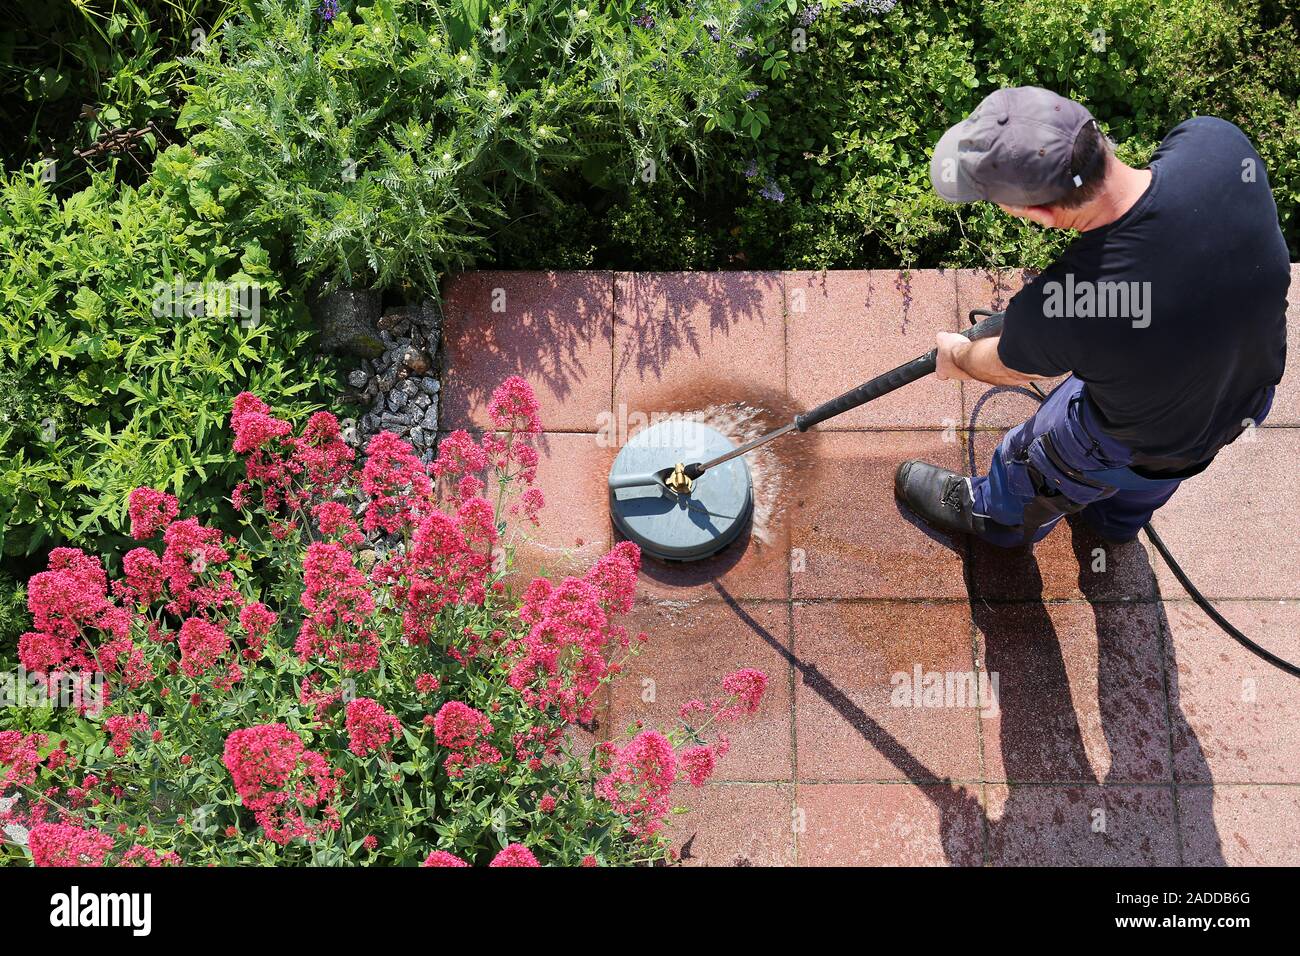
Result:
x=1016 y=148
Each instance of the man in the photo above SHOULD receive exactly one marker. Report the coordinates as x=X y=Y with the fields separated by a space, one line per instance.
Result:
x=1168 y=312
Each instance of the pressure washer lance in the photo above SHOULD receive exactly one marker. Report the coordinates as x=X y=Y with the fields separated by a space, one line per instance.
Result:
x=680 y=478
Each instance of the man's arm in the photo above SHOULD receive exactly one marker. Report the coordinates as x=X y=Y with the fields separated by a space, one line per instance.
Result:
x=960 y=358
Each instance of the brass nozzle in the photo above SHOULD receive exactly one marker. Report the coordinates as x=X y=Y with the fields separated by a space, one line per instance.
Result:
x=677 y=482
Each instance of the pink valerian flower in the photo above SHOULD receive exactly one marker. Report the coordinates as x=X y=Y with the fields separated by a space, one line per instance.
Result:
x=253 y=424
x=258 y=621
x=448 y=562
x=371 y=842
x=697 y=764
x=121 y=728
x=339 y=605
x=512 y=457
x=615 y=574
x=546 y=804
x=325 y=457
x=745 y=692
x=136 y=671
x=191 y=559
x=459 y=455
x=516 y=854
x=560 y=662
x=144 y=856
x=66 y=844
x=144 y=575
x=150 y=512
x=589 y=860
x=513 y=407
x=443 y=858
x=278 y=778
x=68 y=602
x=529 y=504
x=287 y=472
x=465 y=732
x=693 y=708
x=336 y=521
x=427 y=683
x=640 y=778
x=201 y=644
x=318 y=701
x=369 y=726
x=397 y=484
x=20 y=756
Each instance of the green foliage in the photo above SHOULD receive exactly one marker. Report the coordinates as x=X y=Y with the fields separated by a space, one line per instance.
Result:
x=14 y=618
x=115 y=56
x=105 y=389
x=387 y=142
x=857 y=115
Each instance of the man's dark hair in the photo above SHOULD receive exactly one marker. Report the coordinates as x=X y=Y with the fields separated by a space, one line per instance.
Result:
x=1088 y=163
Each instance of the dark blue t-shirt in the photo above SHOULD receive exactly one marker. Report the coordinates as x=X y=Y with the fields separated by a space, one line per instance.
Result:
x=1174 y=315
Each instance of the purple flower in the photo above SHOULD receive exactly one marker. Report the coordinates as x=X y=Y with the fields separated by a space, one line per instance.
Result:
x=808 y=14
x=752 y=95
x=772 y=191
x=751 y=170
x=328 y=10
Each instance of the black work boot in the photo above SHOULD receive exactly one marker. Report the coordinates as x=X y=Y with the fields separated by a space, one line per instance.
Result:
x=939 y=497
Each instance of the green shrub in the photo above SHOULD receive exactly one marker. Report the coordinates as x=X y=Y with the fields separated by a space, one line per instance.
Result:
x=103 y=394
x=389 y=141
x=855 y=119
x=14 y=618
x=117 y=58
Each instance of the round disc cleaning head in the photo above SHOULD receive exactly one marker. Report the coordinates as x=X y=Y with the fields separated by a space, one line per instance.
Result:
x=681 y=527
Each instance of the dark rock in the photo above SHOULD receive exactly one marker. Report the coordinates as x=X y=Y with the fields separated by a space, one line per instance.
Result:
x=428 y=316
x=415 y=361
x=348 y=322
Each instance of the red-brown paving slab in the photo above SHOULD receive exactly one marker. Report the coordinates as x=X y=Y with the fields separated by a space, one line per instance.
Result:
x=1234 y=715
x=856 y=711
x=691 y=647
x=1081 y=826
x=850 y=537
x=1081 y=687
x=555 y=330
x=844 y=328
x=734 y=824
x=574 y=528
x=707 y=336
x=1240 y=825
x=1080 y=693
x=843 y=824
x=1071 y=562
x=1286 y=402
x=1234 y=527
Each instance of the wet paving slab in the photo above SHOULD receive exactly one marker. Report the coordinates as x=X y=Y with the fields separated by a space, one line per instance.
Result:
x=1122 y=727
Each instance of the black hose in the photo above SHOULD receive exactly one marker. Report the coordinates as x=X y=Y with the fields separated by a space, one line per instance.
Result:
x=1198 y=598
